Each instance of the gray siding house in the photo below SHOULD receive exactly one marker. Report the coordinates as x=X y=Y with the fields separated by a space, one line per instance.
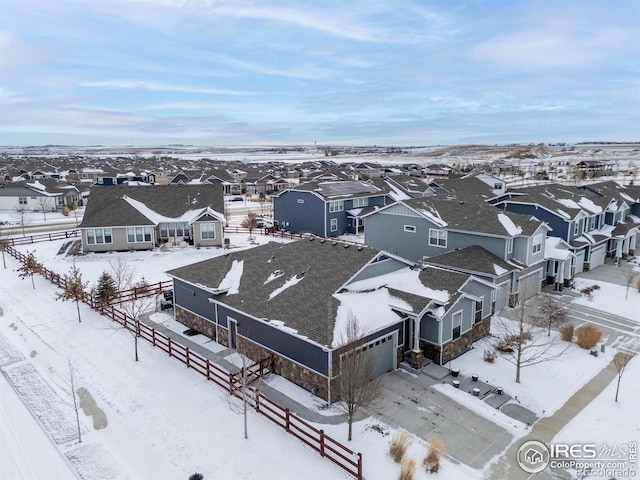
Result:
x=41 y=195
x=281 y=299
x=328 y=208
x=143 y=217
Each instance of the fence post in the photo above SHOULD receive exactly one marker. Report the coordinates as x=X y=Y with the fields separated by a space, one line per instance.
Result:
x=153 y=337
x=258 y=402
x=188 y=358
x=287 y=419
x=322 y=443
x=208 y=370
x=169 y=346
x=359 y=466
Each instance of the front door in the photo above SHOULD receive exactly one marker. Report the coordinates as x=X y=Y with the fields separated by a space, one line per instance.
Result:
x=233 y=328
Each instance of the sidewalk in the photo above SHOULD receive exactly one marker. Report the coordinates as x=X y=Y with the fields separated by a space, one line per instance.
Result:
x=545 y=429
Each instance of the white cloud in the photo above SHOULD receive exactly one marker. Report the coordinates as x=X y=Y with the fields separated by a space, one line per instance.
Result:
x=161 y=87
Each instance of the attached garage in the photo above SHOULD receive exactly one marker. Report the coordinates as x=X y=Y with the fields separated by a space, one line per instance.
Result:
x=579 y=262
x=597 y=256
x=530 y=285
x=383 y=350
x=502 y=295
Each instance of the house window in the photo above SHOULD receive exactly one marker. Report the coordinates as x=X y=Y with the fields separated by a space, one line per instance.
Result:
x=60 y=200
x=334 y=224
x=99 y=236
x=509 y=245
x=576 y=227
x=478 y=314
x=456 y=324
x=437 y=238
x=207 y=231
x=138 y=234
x=537 y=244
x=301 y=200
x=336 y=206
x=410 y=228
x=22 y=200
x=593 y=223
x=360 y=202
x=497 y=186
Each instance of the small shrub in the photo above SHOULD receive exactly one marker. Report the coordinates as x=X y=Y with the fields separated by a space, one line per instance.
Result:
x=566 y=332
x=407 y=469
x=638 y=284
x=399 y=445
x=431 y=460
x=489 y=356
x=588 y=336
x=65 y=211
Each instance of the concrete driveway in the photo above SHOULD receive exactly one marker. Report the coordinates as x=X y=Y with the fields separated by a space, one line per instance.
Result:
x=408 y=402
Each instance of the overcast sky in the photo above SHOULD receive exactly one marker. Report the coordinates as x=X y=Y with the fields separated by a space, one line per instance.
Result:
x=346 y=72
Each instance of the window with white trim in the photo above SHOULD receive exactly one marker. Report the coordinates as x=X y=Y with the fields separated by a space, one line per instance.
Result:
x=410 y=228
x=537 y=244
x=336 y=206
x=478 y=312
x=576 y=227
x=456 y=324
x=360 y=202
x=207 y=231
x=509 y=245
x=497 y=186
x=99 y=236
x=138 y=234
x=593 y=223
x=22 y=200
x=437 y=238
x=334 y=224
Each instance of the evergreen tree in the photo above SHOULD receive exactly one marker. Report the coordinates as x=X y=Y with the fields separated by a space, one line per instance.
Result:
x=106 y=288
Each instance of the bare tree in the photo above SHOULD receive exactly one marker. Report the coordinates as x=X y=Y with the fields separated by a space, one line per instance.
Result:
x=4 y=242
x=136 y=307
x=552 y=314
x=123 y=274
x=45 y=205
x=523 y=343
x=74 y=288
x=629 y=276
x=76 y=405
x=21 y=218
x=247 y=355
x=29 y=268
x=358 y=387
x=250 y=222
x=620 y=360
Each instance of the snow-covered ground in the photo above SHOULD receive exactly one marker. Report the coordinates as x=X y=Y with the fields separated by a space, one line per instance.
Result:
x=164 y=421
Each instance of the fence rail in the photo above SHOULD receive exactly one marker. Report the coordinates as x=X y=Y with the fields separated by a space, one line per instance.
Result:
x=315 y=438
x=45 y=237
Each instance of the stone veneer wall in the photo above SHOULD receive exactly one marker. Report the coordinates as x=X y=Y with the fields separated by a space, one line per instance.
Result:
x=282 y=366
x=457 y=347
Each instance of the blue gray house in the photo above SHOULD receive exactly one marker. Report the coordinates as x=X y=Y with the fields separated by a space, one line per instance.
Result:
x=329 y=208
x=292 y=301
x=420 y=228
x=594 y=220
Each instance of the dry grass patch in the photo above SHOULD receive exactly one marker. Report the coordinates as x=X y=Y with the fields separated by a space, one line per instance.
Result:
x=407 y=469
x=399 y=445
x=588 y=336
x=566 y=332
x=435 y=450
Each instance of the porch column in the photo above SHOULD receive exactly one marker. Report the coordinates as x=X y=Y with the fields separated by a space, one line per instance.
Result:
x=416 y=354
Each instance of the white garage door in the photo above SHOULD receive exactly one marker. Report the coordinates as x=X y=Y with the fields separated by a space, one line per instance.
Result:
x=579 y=262
x=597 y=257
x=530 y=285
x=502 y=295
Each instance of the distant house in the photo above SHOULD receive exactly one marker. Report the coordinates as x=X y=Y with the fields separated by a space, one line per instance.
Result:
x=47 y=195
x=292 y=300
x=142 y=217
x=437 y=170
x=328 y=208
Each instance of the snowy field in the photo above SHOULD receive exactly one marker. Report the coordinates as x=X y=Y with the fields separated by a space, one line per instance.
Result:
x=164 y=421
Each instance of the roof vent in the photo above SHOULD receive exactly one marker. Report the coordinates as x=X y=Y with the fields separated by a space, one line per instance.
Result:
x=346 y=245
x=311 y=239
x=322 y=241
x=334 y=243
x=359 y=248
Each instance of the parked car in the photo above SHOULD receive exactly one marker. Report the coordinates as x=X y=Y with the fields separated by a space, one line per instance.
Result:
x=262 y=222
x=237 y=199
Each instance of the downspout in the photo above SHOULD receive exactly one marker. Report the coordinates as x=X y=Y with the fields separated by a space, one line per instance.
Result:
x=216 y=310
x=440 y=338
x=330 y=358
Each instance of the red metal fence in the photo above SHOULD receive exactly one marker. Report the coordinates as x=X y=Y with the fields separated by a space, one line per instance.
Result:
x=326 y=446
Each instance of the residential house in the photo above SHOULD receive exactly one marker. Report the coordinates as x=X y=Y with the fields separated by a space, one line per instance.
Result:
x=420 y=228
x=293 y=300
x=328 y=208
x=46 y=195
x=143 y=217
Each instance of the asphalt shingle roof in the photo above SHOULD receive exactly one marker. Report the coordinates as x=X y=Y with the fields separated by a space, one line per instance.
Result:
x=471 y=259
x=107 y=208
x=308 y=306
